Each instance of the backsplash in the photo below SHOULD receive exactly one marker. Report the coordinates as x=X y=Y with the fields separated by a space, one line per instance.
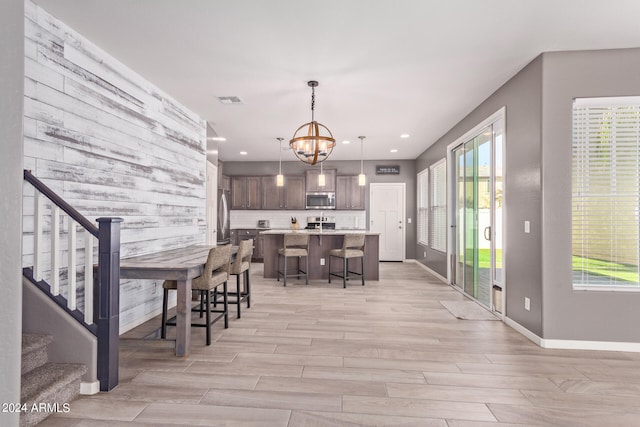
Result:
x=282 y=219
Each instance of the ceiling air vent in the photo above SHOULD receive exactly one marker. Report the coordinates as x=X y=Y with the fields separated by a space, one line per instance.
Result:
x=229 y=100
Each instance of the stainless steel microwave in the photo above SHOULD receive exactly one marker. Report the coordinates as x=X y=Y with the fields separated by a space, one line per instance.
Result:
x=321 y=200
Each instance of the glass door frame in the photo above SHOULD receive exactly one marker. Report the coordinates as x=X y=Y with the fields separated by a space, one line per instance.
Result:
x=452 y=182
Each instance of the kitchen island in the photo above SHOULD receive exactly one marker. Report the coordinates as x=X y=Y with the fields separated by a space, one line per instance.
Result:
x=320 y=243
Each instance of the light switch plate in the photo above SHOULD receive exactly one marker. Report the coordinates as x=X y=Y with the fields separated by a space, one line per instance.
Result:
x=527 y=227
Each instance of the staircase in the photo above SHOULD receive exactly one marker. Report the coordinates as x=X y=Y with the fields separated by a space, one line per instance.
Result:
x=46 y=387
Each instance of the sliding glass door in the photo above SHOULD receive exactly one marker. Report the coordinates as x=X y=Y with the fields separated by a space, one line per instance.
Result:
x=477 y=222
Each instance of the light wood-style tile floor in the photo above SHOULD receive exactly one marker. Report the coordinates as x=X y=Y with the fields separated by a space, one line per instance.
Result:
x=384 y=354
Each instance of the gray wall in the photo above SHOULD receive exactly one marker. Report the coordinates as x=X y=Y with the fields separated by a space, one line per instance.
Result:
x=11 y=89
x=111 y=144
x=569 y=314
x=344 y=167
x=521 y=96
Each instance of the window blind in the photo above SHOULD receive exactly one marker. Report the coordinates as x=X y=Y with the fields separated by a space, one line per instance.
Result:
x=606 y=192
x=423 y=207
x=439 y=206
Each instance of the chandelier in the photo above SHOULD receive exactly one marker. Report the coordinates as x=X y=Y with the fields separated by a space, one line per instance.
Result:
x=317 y=144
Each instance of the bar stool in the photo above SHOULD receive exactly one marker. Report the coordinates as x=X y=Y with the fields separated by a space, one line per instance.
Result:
x=295 y=245
x=216 y=273
x=352 y=247
x=241 y=264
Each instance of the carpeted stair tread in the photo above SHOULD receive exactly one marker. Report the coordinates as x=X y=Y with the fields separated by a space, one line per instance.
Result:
x=31 y=342
x=45 y=382
x=34 y=351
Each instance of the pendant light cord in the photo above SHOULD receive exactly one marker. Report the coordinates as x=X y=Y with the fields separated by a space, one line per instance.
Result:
x=313 y=102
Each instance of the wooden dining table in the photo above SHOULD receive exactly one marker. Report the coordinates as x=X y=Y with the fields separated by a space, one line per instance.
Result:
x=181 y=264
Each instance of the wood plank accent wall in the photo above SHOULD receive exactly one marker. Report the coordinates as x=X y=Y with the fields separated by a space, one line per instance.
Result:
x=111 y=144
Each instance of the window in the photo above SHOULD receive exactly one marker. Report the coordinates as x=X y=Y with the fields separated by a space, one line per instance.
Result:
x=605 y=193
x=423 y=207
x=438 y=217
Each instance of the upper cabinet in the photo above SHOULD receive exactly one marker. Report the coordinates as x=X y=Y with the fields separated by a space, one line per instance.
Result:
x=246 y=192
x=290 y=196
x=312 y=180
x=349 y=195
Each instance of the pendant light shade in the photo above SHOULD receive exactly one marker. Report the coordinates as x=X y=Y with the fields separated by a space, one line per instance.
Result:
x=312 y=142
x=362 y=179
x=280 y=177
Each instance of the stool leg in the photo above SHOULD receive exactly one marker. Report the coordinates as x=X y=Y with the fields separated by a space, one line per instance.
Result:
x=165 y=303
x=344 y=272
x=207 y=297
x=284 y=274
x=306 y=275
x=248 y=289
x=226 y=306
x=329 y=261
x=362 y=271
x=278 y=267
x=238 y=290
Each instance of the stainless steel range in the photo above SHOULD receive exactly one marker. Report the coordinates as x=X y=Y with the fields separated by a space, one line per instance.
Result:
x=321 y=222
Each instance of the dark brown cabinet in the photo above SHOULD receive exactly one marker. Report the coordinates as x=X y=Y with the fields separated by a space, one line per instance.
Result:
x=250 y=233
x=312 y=180
x=290 y=196
x=246 y=192
x=349 y=195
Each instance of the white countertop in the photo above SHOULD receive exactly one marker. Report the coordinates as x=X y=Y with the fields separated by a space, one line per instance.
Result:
x=338 y=232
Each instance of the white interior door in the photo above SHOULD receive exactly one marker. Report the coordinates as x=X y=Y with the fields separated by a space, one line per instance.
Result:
x=387 y=216
x=212 y=203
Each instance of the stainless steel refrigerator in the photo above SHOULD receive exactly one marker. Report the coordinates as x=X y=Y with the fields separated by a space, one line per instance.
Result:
x=224 y=230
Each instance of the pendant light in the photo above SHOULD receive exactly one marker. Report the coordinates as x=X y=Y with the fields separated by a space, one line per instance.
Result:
x=316 y=146
x=280 y=177
x=362 y=179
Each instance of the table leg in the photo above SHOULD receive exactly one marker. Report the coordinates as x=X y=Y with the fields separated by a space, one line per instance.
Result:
x=183 y=318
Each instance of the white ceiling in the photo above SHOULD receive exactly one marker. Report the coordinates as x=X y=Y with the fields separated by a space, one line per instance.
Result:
x=385 y=67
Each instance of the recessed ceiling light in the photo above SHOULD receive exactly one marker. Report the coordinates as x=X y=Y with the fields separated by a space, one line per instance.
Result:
x=217 y=138
x=346 y=142
x=405 y=135
x=394 y=150
x=243 y=153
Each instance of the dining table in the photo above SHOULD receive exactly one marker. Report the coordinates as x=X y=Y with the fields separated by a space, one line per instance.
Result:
x=180 y=264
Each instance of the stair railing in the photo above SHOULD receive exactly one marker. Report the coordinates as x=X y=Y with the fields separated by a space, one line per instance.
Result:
x=99 y=306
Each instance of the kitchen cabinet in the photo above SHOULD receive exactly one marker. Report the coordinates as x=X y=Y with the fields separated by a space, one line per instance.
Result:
x=246 y=192
x=258 y=241
x=225 y=184
x=349 y=195
x=290 y=196
x=312 y=180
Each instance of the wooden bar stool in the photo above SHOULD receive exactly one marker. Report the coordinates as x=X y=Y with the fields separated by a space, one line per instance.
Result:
x=295 y=245
x=352 y=247
x=216 y=273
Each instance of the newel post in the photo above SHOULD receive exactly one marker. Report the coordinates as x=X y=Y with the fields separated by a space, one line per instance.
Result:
x=108 y=301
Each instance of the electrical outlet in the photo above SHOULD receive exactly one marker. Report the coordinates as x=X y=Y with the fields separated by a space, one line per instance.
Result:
x=321 y=261
x=527 y=227
x=425 y=254
x=408 y=220
x=527 y=304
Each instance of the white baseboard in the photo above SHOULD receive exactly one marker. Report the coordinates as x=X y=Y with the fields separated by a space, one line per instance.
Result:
x=633 y=347
x=87 y=388
x=434 y=273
